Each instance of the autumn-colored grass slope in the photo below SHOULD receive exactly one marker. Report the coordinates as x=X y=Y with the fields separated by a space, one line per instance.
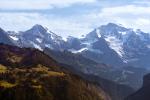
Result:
x=28 y=74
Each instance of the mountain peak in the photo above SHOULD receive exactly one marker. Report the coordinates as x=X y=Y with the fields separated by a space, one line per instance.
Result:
x=113 y=25
x=39 y=28
x=106 y=30
x=36 y=30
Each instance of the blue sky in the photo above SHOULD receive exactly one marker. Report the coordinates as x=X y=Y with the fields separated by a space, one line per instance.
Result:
x=73 y=17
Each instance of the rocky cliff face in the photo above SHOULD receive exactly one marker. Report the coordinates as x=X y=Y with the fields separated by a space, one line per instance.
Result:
x=4 y=38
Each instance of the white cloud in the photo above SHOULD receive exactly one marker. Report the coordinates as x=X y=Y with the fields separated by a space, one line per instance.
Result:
x=61 y=26
x=142 y=2
x=39 y=4
x=129 y=15
x=128 y=9
x=141 y=21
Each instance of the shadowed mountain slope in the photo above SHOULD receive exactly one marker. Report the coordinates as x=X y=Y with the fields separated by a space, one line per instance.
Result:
x=92 y=71
x=144 y=92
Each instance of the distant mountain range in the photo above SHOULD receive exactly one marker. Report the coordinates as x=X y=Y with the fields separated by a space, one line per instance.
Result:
x=110 y=44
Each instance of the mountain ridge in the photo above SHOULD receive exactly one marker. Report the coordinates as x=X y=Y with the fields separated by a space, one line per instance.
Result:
x=29 y=74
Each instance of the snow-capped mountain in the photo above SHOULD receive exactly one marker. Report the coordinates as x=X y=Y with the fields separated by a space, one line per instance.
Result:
x=116 y=45
x=111 y=44
x=39 y=37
